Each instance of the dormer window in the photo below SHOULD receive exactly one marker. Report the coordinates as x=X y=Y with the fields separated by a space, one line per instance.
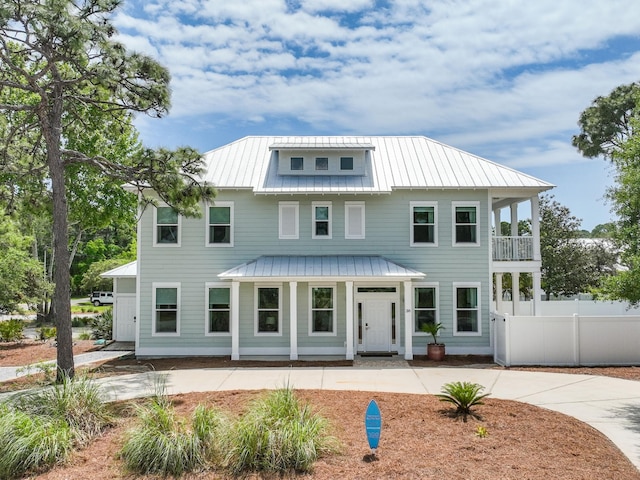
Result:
x=322 y=163
x=346 y=163
x=297 y=163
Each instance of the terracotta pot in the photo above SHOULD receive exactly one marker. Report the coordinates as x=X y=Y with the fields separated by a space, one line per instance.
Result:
x=435 y=351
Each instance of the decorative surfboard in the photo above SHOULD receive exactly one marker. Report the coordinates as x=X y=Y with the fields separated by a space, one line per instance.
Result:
x=373 y=424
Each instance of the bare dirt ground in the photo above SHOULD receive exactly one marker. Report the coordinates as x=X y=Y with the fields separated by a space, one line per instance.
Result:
x=419 y=439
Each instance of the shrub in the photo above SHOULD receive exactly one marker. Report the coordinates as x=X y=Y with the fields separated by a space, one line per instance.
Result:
x=167 y=444
x=84 y=336
x=46 y=333
x=277 y=434
x=102 y=325
x=48 y=369
x=463 y=395
x=78 y=403
x=35 y=442
x=79 y=322
x=11 y=330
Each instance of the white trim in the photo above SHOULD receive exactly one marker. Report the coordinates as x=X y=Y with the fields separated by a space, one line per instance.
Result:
x=256 y=333
x=436 y=286
x=235 y=320
x=313 y=221
x=207 y=286
x=207 y=225
x=155 y=229
x=476 y=285
x=435 y=224
x=476 y=205
x=154 y=287
x=293 y=320
x=140 y=211
x=349 y=320
x=296 y=219
x=310 y=288
x=408 y=320
x=347 y=219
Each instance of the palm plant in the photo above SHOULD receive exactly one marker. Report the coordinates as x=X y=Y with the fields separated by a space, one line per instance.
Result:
x=463 y=395
x=433 y=329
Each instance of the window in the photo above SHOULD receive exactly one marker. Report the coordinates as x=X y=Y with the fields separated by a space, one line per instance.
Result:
x=467 y=309
x=465 y=224
x=321 y=220
x=424 y=230
x=268 y=310
x=354 y=220
x=288 y=222
x=346 y=163
x=167 y=227
x=220 y=225
x=297 y=163
x=218 y=309
x=322 y=310
x=425 y=306
x=322 y=163
x=166 y=311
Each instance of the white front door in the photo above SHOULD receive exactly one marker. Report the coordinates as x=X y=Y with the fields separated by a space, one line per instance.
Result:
x=376 y=317
x=124 y=318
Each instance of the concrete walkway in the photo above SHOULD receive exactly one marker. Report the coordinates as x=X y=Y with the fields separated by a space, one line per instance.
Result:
x=610 y=405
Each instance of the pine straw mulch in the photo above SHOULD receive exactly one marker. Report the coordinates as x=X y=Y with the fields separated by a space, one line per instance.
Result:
x=419 y=441
x=30 y=351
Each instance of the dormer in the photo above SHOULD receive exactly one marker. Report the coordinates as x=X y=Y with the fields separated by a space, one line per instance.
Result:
x=322 y=159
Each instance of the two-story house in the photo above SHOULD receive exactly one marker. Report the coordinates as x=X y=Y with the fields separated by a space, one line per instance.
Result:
x=330 y=246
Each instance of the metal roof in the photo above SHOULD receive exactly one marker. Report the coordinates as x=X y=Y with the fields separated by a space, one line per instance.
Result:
x=315 y=145
x=346 y=266
x=129 y=270
x=392 y=163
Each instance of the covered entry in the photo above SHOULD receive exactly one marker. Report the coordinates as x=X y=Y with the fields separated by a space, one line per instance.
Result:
x=374 y=289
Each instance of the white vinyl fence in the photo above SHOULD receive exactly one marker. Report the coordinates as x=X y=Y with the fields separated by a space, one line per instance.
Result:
x=569 y=307
x=566 y=340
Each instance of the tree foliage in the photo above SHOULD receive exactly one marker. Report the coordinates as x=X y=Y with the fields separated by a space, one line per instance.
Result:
x=607 y=124
x=569 y=265
x=62 y=77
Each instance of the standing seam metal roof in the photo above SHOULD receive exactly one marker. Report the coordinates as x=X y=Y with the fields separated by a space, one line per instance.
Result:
x=290 y=266
x=395 y=163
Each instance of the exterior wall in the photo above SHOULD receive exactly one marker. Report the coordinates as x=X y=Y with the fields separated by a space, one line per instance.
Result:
x=255 y=226
x=126 y=285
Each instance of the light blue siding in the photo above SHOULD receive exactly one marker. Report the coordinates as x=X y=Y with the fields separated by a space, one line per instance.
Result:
x=387 y=225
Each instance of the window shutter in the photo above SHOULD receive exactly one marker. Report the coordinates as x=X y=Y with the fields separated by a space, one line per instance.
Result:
x=289 y=221
x=354 y=221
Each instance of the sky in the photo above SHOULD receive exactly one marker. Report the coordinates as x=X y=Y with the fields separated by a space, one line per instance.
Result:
x=502 y=79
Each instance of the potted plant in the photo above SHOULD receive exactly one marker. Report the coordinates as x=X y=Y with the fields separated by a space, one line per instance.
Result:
x=435 y=350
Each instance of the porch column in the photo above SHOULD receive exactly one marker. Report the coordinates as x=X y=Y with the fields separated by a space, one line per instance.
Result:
x=235 y=320
x=514 y=219
x=515 y=292
x=499 y=292
x=497 y=219
x=537 y=294
x=408 y=322
x=293 y=320
x=535 y=227
x=349 y=320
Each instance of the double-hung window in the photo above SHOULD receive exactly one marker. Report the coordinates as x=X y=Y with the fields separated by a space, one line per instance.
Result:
x=220 y=225
x=166 y=309
x=322 y=311
x=218 y=309
x=268 y=306
x=424 y=227
x=425 y=306
x=166 y=230
x=465 y=223
x=321 y=220
x=467 y=309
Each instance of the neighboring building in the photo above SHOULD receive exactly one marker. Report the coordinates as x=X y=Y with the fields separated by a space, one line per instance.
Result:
x=332 y=246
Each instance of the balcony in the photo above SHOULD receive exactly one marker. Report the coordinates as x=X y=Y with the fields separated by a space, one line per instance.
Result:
x=512 y=249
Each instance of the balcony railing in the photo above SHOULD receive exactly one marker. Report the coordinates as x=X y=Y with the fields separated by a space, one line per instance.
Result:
x=512 y=249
